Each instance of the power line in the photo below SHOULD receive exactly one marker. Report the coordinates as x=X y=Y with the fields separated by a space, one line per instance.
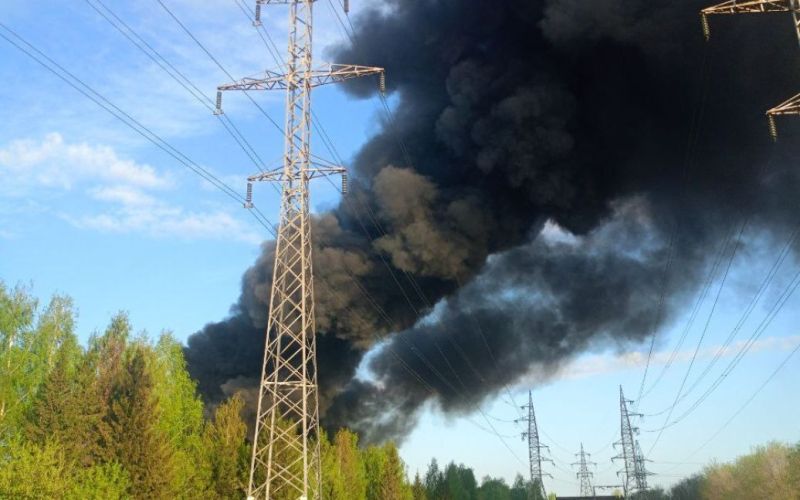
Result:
x=702 y=335
x=689 y=162
x=741 y=408
x=118 y=113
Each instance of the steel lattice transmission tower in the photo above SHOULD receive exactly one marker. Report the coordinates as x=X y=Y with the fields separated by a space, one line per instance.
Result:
x=792 y=106
x=584 y=475
x=286 y=448
x=633 y=479
x=641 y=468
x=534 y=448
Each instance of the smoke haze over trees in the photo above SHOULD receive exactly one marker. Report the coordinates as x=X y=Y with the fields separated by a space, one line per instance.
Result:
x=549 y=180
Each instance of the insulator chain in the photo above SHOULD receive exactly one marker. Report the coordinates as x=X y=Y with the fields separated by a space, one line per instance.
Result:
x=257 y=22
x=344 y=183
x=219 y=111
x=773 y=127
x=346 y=6
x=249 y=199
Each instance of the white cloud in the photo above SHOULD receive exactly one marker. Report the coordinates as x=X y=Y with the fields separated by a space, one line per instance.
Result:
x=599 y=365
x=122 y=193
x=159 y=219
x=593 y=366
x=53 y=162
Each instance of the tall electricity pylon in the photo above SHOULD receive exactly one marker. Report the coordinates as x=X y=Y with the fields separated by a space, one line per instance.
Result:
x=584 y=475
x=534 y=449
x=633 y=481
x=286 y=448
x=792 y=106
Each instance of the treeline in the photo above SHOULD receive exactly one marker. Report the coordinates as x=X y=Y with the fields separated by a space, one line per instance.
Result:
x=771 y=471
x=120 y=418
x=457 y=482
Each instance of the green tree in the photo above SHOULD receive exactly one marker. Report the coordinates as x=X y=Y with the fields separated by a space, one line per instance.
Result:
x=520 y=490
x=794 y=468
x=688 y=489
x=18 y=361
x=418 y=489
x=107 y=481
x=494 y=489
x=344 y=473
x=392 y=484
x=434 y=481
x=225 y=443
x=180 y=419
x=31 y=471
x=137 y=443
x=374 y=458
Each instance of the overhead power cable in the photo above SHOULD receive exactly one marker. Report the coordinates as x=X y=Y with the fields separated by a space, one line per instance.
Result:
x=741 y=408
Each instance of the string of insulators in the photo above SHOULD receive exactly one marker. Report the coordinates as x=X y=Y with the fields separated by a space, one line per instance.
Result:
x=346 y=6
x=257 y=22
x=249 y=198
x=218 y=111
x=706 y=28
x=383 y=82
x=773 y=127
x=344 y=183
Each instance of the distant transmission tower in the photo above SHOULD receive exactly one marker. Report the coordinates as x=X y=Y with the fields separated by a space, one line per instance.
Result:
x=534 y=449
x=286 y=448
x=792 y=106
x=634 y=474
x=584 y=475
x=641 y=468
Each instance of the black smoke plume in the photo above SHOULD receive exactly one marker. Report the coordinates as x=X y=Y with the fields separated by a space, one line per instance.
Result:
x=550 y=150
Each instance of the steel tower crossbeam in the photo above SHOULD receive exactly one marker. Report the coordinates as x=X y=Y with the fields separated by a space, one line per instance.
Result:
x=322 y=75
x=285 y=461
x=792 y=106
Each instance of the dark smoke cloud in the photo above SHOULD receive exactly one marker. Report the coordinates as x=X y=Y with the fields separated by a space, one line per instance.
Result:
x=549 y=147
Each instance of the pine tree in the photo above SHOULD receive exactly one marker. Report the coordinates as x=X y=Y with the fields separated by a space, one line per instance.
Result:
x=392 y=478
x=54 y=414
x=225 y=442
x=418 y=489
x=350 y=466
x=138 y=445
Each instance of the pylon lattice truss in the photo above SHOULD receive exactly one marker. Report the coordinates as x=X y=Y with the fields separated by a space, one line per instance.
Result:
x=792 y=106
x=286 y=449
x=634 y=474
x=584 y=475
x=534 y=448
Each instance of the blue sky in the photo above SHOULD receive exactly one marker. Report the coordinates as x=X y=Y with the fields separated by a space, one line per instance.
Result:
x=91 y=209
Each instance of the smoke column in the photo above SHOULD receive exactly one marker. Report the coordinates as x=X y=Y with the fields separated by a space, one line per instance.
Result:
x=550 y=167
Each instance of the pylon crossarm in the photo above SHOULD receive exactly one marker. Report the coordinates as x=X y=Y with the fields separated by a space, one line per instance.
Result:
x=790 y=107
x=749 y=7
x=279 y=175
x=322 y=75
